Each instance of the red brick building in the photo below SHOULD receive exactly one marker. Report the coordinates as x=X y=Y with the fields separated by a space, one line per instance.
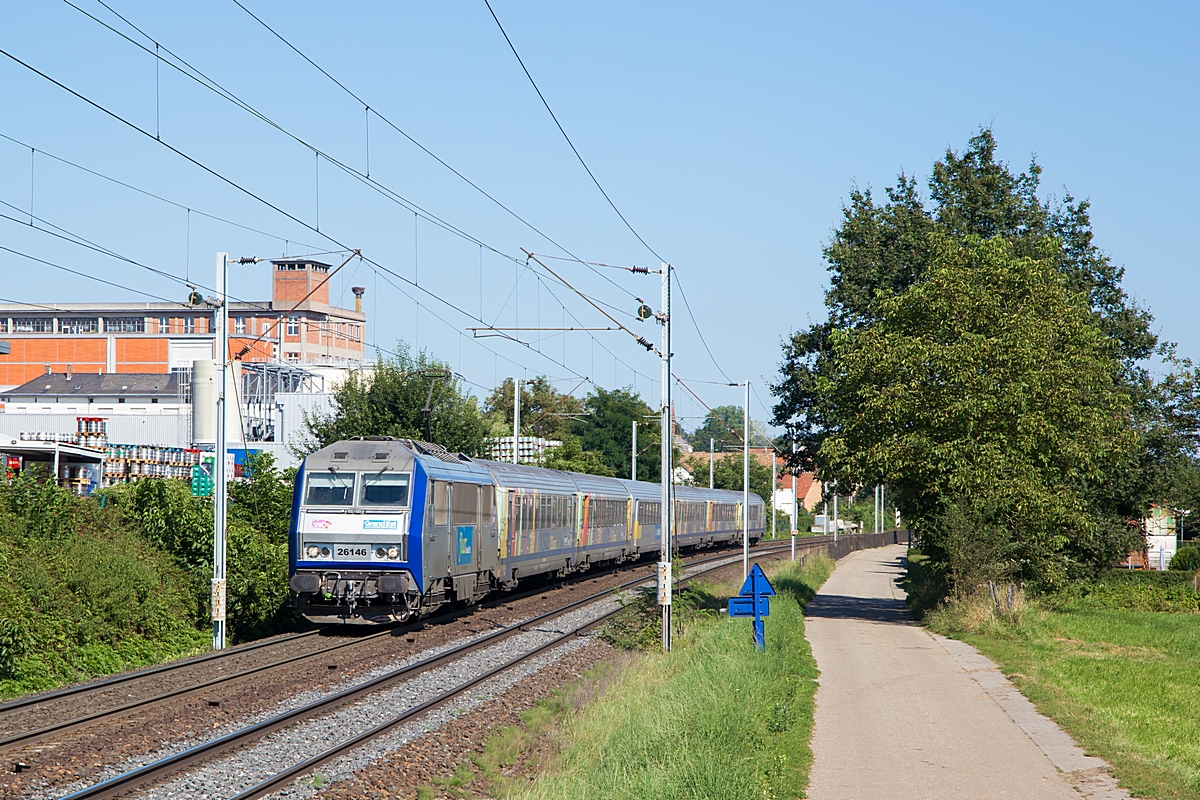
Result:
x=104 y=338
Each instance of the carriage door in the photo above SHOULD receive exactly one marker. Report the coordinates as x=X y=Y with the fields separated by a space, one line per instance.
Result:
x=438 y=552
x=489 y=542
x=464 y=528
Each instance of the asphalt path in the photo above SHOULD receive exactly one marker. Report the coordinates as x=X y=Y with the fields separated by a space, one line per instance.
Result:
x=902 y=713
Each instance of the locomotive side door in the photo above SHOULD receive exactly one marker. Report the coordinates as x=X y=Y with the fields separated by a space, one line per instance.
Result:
x=438 y=541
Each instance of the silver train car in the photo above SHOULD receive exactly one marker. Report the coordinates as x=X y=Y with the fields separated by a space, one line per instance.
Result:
x=386 y=529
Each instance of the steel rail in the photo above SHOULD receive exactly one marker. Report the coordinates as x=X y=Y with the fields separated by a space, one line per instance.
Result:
x=117 y=680
x=158 y=770
x=276 y=781
x=22 y=739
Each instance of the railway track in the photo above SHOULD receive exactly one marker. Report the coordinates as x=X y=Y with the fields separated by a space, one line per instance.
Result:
x=165 y=767
x=71 y=699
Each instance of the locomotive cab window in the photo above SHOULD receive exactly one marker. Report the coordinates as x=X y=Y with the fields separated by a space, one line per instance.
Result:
x=330 y=488
x=384 y=489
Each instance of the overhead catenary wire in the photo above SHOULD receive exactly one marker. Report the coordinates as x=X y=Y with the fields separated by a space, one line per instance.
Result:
x=387 y=121
x=235 y=185
x=221 y=91
x=91 y=277
x=563 y=131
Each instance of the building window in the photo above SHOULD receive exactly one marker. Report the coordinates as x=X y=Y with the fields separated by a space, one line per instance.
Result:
x=34 y=325
x=79 y=325
x=124 y=325
x=293 y=358
x=164 y=325
x=189 y=325
x=239 y=325
x=293 y=326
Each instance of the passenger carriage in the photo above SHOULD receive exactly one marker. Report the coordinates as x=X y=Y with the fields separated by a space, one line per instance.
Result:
x=384 y=529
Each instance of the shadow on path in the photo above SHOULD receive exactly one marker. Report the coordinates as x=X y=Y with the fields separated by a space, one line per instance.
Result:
x=873 y=609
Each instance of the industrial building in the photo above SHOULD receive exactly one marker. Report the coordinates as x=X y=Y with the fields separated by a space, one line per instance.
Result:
x=161 y=338
x=131 y=366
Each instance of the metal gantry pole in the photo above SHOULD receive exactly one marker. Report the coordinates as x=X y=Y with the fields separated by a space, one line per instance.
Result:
x=774 y=488
x=220 y=484
x=711 y=460
x=795 y=498
x=633 y=455
x=516 y=420
x=835 y=511
x=746 y=485
x=665 y=475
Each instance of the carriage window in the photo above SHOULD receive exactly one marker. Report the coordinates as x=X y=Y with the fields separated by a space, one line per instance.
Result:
x=441 y=502
x=330 y=488
x=487 y=505
x=466 y=504
x=384 y=489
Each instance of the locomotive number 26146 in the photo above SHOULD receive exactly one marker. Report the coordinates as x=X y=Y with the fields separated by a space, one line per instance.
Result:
x=350 y=552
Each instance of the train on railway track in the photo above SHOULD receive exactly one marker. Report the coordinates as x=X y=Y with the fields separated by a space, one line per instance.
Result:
x=384 y=529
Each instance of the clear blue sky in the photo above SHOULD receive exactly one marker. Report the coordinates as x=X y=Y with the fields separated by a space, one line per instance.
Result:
x=728 y=134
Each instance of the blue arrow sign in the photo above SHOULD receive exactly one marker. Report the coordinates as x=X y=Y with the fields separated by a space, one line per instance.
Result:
x=757 y=584
x=753 y=602
x=749 y=607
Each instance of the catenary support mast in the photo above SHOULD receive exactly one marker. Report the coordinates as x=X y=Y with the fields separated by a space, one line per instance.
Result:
x=220 y=482
x=665 y=474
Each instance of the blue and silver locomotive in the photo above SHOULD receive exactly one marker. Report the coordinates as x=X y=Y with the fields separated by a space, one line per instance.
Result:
x=385 y=529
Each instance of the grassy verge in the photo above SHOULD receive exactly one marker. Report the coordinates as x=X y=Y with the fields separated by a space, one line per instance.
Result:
x=1125 y=683
x=713 y=719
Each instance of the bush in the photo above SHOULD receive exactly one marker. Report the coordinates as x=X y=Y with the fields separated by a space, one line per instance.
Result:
x=80 y=593
x=1136 y=590
x=1187 y=558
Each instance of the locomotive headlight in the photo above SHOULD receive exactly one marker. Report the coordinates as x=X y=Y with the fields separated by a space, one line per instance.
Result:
x=325 y=552
x=393 y=552
x=312 y=551
x=379 y=552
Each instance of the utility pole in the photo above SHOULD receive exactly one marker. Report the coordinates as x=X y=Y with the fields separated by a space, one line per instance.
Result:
x=633 y=455
x=516 y=420
x=773 y=490
x=711 y=460
x=835 y=511
x=664 y=566
x=220 y=485
x=795 y=497
x=746 y=485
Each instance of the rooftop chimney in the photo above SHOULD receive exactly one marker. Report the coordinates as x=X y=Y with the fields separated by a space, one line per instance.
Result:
x=358 y=293
x=68 y=372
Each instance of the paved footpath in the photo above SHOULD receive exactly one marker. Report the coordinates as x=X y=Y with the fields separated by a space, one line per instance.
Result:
x=902 y=713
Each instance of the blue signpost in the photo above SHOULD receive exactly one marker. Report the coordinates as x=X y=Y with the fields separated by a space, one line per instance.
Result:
x=752 y=602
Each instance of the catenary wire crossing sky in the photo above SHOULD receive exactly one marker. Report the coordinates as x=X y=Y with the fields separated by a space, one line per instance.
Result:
x=726 y=136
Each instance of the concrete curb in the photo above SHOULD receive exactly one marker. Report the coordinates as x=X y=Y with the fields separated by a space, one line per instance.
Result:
x=1087 y=774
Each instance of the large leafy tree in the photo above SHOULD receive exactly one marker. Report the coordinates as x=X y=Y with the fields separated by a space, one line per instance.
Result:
x=386 y=399
x=987 y=397
x=717 y=426
x=606 y=428
x=545 y=411
x=896 y=249
x=886 y=247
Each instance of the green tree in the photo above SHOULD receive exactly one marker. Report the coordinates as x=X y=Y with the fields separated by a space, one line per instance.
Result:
x=545 y=411
x=887 y=247
x=728 y=474
x=263 y=499
x=573 y=458
x=606 y=428
x=716 y=426
x=386 y=399
x=884 y=250
x=988 y=398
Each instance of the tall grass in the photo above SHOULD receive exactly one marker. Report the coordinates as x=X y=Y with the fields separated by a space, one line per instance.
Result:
x=713 y=719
